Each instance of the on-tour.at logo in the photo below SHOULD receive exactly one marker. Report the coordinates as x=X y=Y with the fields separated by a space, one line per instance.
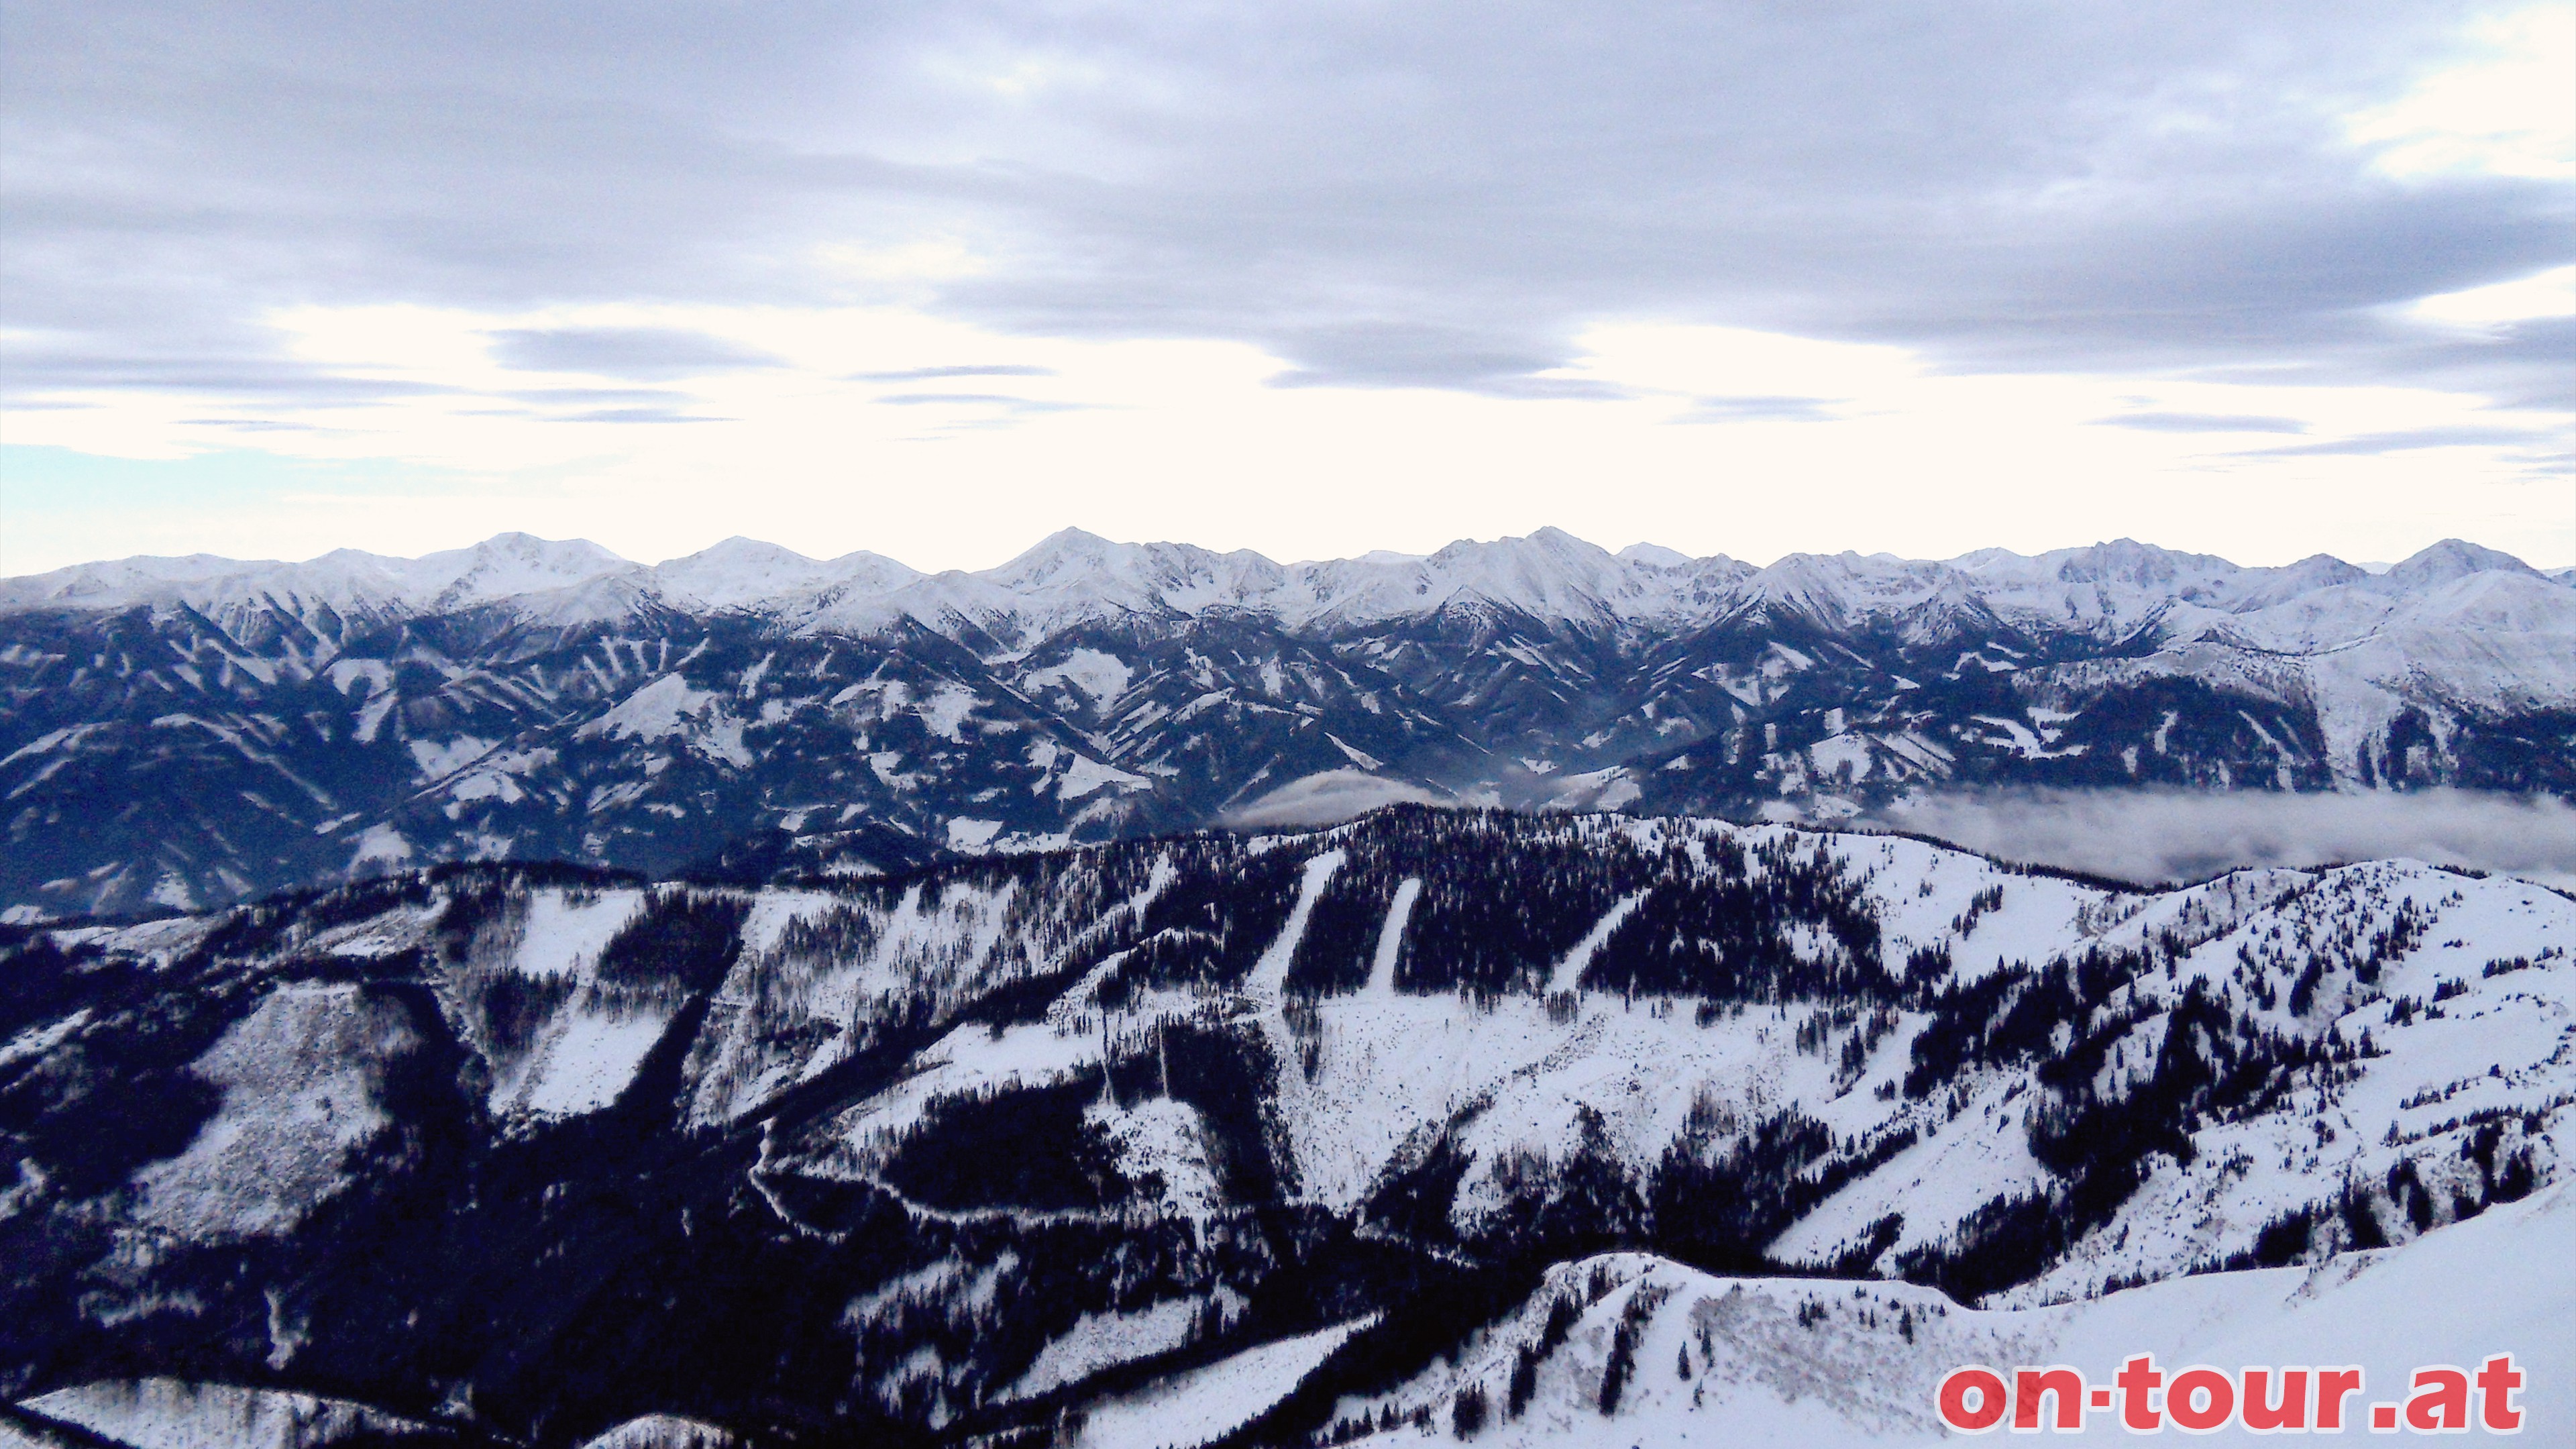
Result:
x=2202 y=1400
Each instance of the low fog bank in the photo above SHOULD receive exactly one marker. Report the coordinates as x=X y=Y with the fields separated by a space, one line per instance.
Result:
x=2154 y=836
x=1327 y=799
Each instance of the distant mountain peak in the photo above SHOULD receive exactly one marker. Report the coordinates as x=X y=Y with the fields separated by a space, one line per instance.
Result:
x=2451 y=559
x=1656 y=555
x=746 y=549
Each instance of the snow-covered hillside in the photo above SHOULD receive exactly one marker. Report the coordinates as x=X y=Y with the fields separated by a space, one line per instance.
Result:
x=1158 y=1140
x=1792 y=1363
x=186 y=732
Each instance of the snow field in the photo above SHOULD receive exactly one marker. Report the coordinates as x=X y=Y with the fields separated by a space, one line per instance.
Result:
x=967 y=1061
x=1105 y=1340
x=1202 y=1404
x=587 y=1051
x=2502 y=1046
x=299 y=1078
x=589 y=1059
x=1100 y=675
x=562 y=936
x=1953 y=1168
x=1166 y=1140
x=669 y=707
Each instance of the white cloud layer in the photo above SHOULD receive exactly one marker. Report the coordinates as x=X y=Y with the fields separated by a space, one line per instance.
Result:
x=1307 y=278
x=2150 y=836
x=2503 y=109
x=658 y=430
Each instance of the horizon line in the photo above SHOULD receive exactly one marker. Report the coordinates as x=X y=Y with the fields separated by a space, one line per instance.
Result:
x=1384 y=557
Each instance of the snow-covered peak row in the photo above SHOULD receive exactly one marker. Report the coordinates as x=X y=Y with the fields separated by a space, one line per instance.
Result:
x=1072 y=578
x=348 y=581
x=1178 y=1131
x=188 y=732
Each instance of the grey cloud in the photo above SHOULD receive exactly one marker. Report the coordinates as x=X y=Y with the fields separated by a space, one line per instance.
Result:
x=624 y=352
x=31 y=373
x=2149 y=836
x=2373 y=444
x=636 y=415
x=933 y=374
x=1498 y=381
x=1465 y=357
x=2202 y=423
x=1403 y=196
x=1563 y=389
x=1760 y=410
x=570 y=396
x=980 y=399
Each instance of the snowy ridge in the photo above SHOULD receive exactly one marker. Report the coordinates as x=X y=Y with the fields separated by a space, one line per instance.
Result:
x=169 y=1413
x=1790 y=1362
x=1074 y=578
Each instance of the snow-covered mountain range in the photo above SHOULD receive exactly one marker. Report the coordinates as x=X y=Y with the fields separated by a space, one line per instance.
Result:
x=1442 y=1124
x=182 y=732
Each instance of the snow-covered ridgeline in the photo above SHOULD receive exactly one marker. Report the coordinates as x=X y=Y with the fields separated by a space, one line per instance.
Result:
x=1805 y=1362
x=2458 y=1036
x=2106 y=590
x=170 y=1413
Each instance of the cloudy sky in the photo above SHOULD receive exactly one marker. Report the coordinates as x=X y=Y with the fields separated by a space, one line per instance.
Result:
x=935 y=280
